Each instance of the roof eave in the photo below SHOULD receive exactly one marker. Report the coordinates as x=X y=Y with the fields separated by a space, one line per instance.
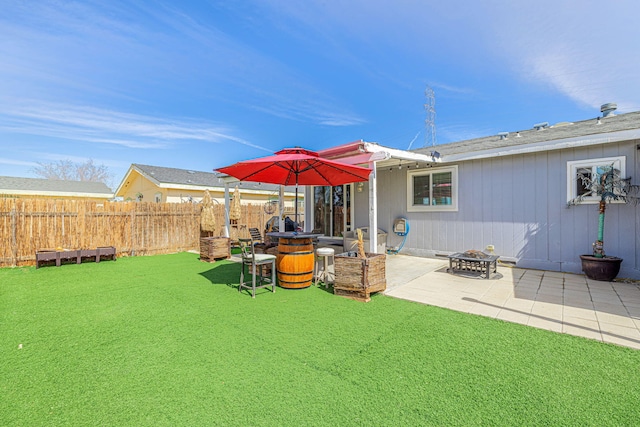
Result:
x=124 y=180
x=59 y=194
x=213 y=188
x=558 y=144
x=381 y=153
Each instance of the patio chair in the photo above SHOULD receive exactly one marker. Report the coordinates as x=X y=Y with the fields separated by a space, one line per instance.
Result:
x=261 y=246
x=255 y=263
x=255 y=235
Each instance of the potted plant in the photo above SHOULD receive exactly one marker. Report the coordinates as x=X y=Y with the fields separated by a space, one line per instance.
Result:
x=607 y=184
x=359 y=274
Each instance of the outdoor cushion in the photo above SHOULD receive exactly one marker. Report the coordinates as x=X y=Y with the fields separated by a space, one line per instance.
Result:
x=263 y=257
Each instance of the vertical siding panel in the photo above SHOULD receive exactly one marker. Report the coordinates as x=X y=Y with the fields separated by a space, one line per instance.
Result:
x=569 y=217
x=471 y=203
x=507 y=202
x=553 y=202
x=497 y=202
x=398 y=206
x=538 y=231
x=484 y=204
x=520 y=187
x=633 y=169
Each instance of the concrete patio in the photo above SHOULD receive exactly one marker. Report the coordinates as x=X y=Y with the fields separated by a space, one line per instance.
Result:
x=560 y=302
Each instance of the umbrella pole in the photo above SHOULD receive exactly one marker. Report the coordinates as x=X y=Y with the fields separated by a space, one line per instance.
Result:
x=295 y=225
x=296 y=207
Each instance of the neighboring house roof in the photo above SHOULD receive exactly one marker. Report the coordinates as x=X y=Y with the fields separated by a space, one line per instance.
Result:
x=601 y=130
x=51 y=187
x=183 y=178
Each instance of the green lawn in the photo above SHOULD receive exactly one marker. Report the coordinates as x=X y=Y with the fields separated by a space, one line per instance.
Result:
x=168 y=340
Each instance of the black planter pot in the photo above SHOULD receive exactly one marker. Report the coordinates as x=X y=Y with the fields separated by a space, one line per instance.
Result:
x=605 y=269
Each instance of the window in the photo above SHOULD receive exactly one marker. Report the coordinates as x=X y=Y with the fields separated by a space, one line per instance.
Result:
x=580 y=172
x=158 y=197
x=432 y=189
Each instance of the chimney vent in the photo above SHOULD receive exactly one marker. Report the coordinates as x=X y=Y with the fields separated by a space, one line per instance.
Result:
x=608 y=109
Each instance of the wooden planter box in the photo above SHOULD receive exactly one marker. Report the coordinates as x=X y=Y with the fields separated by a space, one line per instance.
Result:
x=357 y=278
x=215 y=248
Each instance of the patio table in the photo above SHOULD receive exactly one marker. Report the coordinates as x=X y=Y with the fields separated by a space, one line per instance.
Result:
x=295 y=258
x=460 y=262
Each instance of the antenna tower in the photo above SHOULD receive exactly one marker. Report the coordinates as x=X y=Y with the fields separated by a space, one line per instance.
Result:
x=430 y=121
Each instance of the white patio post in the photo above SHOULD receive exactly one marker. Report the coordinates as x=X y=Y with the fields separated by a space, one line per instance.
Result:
x=373 y=209
x=227 y=200
x=308 y=208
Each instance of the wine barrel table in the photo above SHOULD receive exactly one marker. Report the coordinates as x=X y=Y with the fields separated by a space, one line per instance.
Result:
x=295 y=259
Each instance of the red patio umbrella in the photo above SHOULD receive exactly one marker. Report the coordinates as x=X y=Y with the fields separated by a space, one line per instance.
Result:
x=296 y=166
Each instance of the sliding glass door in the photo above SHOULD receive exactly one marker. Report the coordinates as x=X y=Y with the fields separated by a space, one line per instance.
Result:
x=333 y=213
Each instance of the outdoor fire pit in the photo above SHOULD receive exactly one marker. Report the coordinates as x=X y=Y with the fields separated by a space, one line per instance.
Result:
x=473 y=262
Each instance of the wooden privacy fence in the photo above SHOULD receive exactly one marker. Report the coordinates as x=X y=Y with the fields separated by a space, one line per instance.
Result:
x=29 y=225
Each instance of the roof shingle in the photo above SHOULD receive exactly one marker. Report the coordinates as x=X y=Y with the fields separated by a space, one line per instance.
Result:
x=10 y=184
x=559 y=131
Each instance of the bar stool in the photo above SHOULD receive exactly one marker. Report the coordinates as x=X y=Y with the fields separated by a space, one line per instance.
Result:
x=325 y=254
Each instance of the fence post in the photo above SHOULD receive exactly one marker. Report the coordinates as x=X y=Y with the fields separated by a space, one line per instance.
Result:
x=133 y=218
x=14 y=239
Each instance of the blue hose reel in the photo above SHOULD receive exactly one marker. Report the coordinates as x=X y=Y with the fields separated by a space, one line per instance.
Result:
x=401 y=228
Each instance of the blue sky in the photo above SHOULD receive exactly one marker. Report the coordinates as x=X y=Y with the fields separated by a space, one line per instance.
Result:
x=203 y=84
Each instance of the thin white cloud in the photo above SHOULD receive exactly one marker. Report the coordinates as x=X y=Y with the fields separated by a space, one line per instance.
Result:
x=453 y=89
x=309 y=111
x=14 y=162
x=92 y=124
x=340 y=121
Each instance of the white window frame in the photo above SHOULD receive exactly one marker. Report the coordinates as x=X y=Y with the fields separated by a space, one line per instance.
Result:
x=572 y=172
x=453 y=207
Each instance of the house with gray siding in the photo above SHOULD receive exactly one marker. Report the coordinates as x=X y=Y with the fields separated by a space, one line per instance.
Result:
x=506 y=193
